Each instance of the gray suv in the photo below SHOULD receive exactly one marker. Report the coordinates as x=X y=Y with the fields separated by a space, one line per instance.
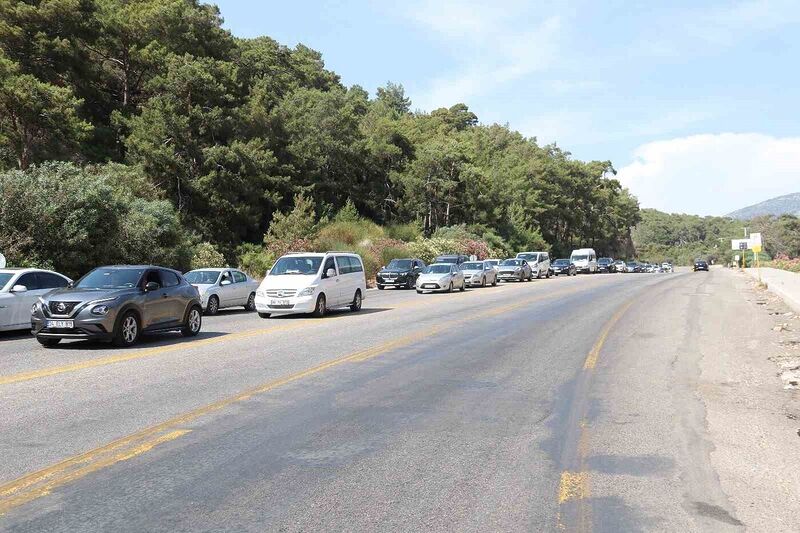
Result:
x=118 y=303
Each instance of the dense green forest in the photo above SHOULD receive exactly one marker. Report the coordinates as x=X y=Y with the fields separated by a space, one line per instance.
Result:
x=143 y=130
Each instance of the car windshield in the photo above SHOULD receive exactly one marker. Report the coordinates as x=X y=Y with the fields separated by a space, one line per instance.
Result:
x=4 y=277
x=632 y=264
x=202 y=277
x=111 y=278
x=560 y=262
x=472 y=266
x=580 y=257
x=296 y=265
x=443 y=259
x=439 y=269
x=511 y=262
x=527 y=256
x=604 y=260
x=400 y=264
x=493 y=262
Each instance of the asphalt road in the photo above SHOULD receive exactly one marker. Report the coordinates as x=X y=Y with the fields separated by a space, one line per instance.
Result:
x=515 y=408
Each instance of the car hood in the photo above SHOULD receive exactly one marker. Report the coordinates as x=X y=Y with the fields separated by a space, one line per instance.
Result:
x=471 y=272
x=202 y=287
x=288 y=281
x=87 y=295
x=433 y=277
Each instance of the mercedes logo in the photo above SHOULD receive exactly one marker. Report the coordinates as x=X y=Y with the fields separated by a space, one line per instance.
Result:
x=61 y=307
x=280 y=294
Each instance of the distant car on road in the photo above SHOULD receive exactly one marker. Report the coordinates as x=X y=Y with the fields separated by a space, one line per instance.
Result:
x=700 y=264
x=619 y=266
x=495 y=264
x=564 y=266
x=666 y=267
x=515 y=270
x=441 y=277
x=539 y=263
x=479 y=274
x=400 y=273
x=220 y=288
x=20 y=289
x=605 y=264
x=455 y=259
x=313 y=283
x=631 y=267
x=118 y=303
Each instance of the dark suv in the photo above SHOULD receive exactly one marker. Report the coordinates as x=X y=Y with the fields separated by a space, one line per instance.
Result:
x=700 y=264
x=118 y=303
x=401 y=273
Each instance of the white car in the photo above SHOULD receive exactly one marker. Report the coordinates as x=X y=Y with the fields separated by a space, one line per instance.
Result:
x=441 y=277
x=20 y=289
x=666 y=267
x=539 y=263
x=585 y=260
x=220 y=288
x=479 y=273
x=312 y=283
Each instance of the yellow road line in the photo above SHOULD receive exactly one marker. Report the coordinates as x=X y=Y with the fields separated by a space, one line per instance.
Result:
x=152 y=352
x=573 y=486
x=591 y=359
x=42 y=482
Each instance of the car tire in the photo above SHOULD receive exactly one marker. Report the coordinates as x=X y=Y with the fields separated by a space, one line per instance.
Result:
x=263 y=315
x=483 y=282
x=450 y=288
x=356 y=305
x=212 y=307
x=127 y=331
x=463 y=286
x=411 y=284
x=320 y=309
x=419 y=291
x=548 y=274
x=381 y=287
x=251 y=302
x=494 y=282
x=194 y=322
x=48 y=342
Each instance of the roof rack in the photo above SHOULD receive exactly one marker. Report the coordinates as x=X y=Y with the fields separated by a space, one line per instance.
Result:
x=339 y=252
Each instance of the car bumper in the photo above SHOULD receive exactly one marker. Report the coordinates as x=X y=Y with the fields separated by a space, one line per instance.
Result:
x=509 y=277
x=473 y=282
x=89 y=328
x=432 y=287
x=297 y=304
x=392 y=282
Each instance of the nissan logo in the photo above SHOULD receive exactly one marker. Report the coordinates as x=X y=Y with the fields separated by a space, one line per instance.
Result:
x=61 y=307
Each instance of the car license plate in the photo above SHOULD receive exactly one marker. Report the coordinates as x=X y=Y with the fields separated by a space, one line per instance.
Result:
x=279 y=302
x=60 y=324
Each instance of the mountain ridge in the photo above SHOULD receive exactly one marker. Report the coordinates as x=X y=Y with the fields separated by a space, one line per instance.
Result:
x=788 y=204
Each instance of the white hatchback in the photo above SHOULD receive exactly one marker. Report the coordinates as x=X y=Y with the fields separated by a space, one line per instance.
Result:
x=312 y=283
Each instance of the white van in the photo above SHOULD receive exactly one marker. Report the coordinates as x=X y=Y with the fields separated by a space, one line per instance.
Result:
x=312 y=283
x=539 y=262
x=585 y=260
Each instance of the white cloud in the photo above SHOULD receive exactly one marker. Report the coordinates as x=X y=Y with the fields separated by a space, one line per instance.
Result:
x=493 y=46
x=713 y=174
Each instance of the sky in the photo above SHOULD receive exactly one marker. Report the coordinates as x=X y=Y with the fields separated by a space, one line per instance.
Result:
x=697 y=104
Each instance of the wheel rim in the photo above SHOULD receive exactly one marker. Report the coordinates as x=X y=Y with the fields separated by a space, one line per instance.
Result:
x=321 y=305
x=251 y=302
x=358 y=301
x=129 y=329
x=194 y=320
x=213 y=305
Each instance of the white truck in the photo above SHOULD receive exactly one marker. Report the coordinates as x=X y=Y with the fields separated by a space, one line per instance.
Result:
x=585 y=260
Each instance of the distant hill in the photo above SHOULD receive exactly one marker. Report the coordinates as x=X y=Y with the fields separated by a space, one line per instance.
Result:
x=788 y=204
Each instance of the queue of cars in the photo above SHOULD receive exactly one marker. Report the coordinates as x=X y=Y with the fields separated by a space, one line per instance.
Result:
x=120 y=303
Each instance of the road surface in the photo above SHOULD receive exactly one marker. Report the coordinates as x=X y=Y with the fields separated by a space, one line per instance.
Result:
x=561 y=404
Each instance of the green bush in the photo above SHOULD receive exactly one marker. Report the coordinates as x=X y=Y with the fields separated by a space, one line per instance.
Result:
x=404 y=232
x=350 y=233
x=254 y=259
x=207 y=256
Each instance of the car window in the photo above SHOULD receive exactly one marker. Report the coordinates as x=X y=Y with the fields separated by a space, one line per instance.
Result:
x=343 y=263
x=226 y=276
x=30 y=280
x=152 y=277
x=355 y=265
x=329 y=263
x=51 y=281
x=169 y=279
x=238 y=277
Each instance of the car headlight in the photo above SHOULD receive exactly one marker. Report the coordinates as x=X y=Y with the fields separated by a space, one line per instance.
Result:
x=261 y=292
x=308 y=291
x=100 y=310
x=102 y=300
x=517 y=269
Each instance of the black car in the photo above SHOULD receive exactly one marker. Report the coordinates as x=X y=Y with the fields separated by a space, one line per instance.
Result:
x=605 y=264
x=700 y=264
x=118 y=304
x=400 y=273
x=453 y=259
x=564 y=266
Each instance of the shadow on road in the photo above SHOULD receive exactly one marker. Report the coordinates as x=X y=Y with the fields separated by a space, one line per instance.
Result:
x=147 y=340
x=15 y=335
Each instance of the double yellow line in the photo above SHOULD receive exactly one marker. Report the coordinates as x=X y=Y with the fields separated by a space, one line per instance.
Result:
x=42 y=482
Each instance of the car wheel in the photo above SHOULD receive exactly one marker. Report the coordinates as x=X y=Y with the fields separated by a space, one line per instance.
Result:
x=251 y=302
x=321 y=309
x=212 y=308
x=410 y=284
x=483 y=282
x=494 y=282
x=127 y=332
x=356 y=305
x=47 y=342
x=194 y=321
x=419 y=291
x=263 y=315
x=381 y=287
x=463 y=286
x=450 y=288
x=548 y=274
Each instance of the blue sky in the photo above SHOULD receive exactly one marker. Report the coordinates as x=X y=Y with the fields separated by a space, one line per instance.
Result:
x=696 y=104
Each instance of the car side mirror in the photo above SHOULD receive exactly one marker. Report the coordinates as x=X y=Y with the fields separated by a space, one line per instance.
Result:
x=330 y=273
x=71 y=284
x=225 y=282
x=19 y=288
x=151 y=286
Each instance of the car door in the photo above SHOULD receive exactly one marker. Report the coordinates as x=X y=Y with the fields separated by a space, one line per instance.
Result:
x=346 y=286
x=242 y=290
x=176 y=303
x=331 y=284
x=226 y=290
x=22 y=301
x=156 y=302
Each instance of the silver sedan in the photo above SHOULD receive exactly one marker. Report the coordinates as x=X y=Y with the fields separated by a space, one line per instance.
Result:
x=479 y=274
x=223 y=287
